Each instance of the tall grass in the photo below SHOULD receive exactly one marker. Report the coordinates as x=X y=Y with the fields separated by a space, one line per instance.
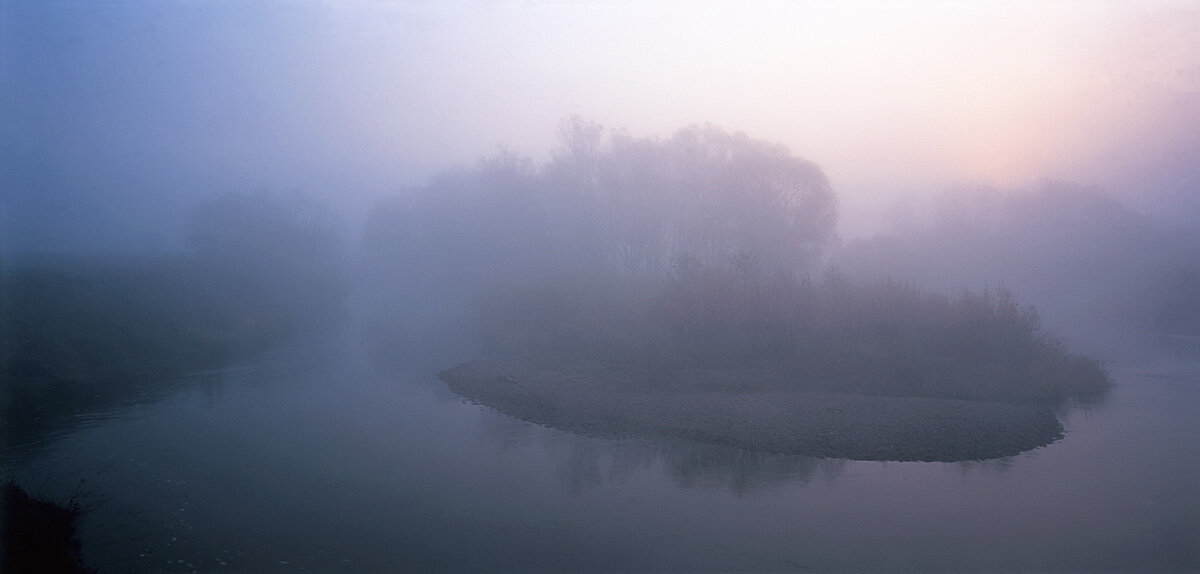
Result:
x=878 y=338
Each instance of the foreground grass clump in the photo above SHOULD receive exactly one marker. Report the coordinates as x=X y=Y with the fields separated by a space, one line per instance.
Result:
x=38 y=535
x=883 y=338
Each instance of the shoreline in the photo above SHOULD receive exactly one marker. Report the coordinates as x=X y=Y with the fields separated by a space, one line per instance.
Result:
x=593 y=401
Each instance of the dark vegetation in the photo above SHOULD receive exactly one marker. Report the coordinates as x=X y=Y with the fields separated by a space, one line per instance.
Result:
x=38 y=536
x=874 y=338
x=1091 y=265
x=697 y=252
x=82 y=334
x=80 y=320
x=704 y=251
x=622 y=205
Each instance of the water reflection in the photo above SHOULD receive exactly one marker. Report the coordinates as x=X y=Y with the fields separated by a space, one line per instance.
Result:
x=583 y=462
x=995 y=466
x=24 y=438
x=319 y=456
x=743 y=471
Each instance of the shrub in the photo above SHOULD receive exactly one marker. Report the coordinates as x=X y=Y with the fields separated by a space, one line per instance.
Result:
x=878 y=338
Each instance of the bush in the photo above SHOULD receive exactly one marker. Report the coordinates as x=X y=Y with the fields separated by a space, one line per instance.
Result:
x=879 y=338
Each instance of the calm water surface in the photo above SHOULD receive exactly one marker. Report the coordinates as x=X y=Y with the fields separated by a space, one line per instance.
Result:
x=311 y=460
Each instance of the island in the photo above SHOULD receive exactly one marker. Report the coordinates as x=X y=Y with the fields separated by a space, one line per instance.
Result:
x=880 y=371
x=752 y=410
x=692 y=286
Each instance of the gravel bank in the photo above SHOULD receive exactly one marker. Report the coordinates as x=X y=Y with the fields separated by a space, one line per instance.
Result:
x=591 y=401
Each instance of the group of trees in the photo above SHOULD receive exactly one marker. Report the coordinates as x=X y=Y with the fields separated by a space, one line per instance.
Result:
x=833 y=334
x=82 y=328
x=82 y=333
x=704 y=194
x=614 y=203
x=695 y=251
x=691 y=251
x=617 y=216
x=606 y=209
x=1093 y=265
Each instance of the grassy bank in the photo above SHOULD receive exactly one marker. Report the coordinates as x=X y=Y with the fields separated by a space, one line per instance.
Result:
x=81 y=334
x=752 y=410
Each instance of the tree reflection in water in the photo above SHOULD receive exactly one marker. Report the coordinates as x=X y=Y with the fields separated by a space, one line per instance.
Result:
x=585 y=462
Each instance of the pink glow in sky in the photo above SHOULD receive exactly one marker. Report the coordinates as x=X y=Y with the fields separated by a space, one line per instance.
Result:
x=367 y=97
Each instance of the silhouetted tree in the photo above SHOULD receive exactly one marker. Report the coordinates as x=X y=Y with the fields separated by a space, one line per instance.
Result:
x=607 y=208
x=704 y=192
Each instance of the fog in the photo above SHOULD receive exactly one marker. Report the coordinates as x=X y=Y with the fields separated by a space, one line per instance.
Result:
x=118 y=118
x=1097 y=268
x=719 y=250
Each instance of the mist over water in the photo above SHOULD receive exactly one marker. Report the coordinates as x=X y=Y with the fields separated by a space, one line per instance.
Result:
x=328 y=466
x=567 y=287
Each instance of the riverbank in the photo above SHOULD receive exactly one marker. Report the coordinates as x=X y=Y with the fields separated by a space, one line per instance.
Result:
x=86 y=334
x=754 y=411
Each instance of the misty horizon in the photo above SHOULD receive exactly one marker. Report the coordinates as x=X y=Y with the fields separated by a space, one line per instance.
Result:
x=543 y=286
x=121 y=117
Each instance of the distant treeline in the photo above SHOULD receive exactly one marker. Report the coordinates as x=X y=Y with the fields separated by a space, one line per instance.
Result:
x=696 y=251
x=83 y=332
x=619 y=204
x=606 y=203
x=1090 y=263
x=693 y=251
x=71 y=319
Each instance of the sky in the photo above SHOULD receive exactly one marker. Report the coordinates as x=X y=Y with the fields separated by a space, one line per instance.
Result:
x=117 y=116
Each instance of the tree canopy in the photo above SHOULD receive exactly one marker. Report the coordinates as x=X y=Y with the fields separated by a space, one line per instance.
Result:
x=609 y=201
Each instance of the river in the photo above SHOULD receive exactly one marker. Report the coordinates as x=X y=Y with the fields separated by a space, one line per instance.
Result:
x=313 y=460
